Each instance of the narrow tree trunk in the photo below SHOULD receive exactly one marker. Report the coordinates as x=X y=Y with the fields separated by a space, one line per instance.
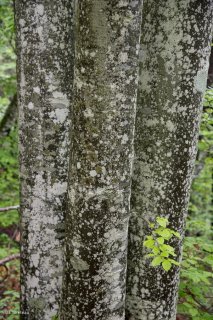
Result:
x=105 y=84
x=210 y=73
x=175 y=47
x=45 y=63
x=10 y=117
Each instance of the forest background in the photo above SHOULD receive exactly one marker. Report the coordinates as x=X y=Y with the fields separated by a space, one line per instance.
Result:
x=195 y=293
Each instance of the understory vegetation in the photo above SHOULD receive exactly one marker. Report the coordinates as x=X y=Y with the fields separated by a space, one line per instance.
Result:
x=195 y=293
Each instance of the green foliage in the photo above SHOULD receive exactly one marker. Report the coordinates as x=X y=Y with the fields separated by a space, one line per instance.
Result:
x=201 y=195
x=5 y=251
x=196 y=277
x=8 y=145
x=161 y=252
x=9 y=182
x=7 y=54
x=10 y=306
x=195 y=292
x=9 y=190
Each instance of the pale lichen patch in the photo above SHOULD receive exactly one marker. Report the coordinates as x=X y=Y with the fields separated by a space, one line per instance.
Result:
x=40 y=9
x=200 y=80
x=93 y=173
x=36 y=90
x=30 y=105
x=79 y=264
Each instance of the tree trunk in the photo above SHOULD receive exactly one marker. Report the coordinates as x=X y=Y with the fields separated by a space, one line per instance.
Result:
x=10 y=117
x=105 y=84
x=175 y=47
x=45 y=64
x=210 y=73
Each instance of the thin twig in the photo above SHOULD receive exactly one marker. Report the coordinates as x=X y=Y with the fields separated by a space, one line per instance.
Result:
x=9 y=258
x=9 y=208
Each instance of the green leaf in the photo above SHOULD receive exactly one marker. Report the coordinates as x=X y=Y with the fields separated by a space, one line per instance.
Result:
x=176 y=234
x=166 y=234
x=208 y=248
x=209 y=259
x=164 y=254
x=166 y=247
x=157 y=261
x=193 y=311
x=162 y=222
x=149 y=243
x=192 y=261
x=149 y=237
x=156 y=250
x=174 y=262
x=166 y=265
x=160 y=240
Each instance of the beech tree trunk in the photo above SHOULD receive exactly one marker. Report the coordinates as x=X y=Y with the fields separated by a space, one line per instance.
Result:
x=175 y=47
x=105 y=87
x=45 y=64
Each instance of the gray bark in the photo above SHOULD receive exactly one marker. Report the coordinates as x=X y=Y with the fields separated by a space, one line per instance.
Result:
x=105 y=84
x=175 y=47
x=45 y=64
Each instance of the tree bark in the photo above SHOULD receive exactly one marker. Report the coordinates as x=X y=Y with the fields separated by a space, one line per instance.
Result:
x=45 y=76
x=10 y=117
x=175 y=47
x=210 y=73
x=105 y=84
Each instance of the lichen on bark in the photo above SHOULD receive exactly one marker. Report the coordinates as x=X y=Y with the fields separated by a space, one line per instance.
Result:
x=175 y=47
x=102 y=131
x=45 y=75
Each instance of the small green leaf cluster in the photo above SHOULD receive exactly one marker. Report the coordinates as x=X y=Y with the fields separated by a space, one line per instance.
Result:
x=161 y=252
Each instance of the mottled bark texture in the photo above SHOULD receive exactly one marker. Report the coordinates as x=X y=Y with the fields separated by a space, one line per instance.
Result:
x=45 y=64
x=175 y=47
x=105 y=84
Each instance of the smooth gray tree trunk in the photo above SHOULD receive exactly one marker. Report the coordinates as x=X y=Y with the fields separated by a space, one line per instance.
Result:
x=105 y=86
x=45 y=76
x=175 y=47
